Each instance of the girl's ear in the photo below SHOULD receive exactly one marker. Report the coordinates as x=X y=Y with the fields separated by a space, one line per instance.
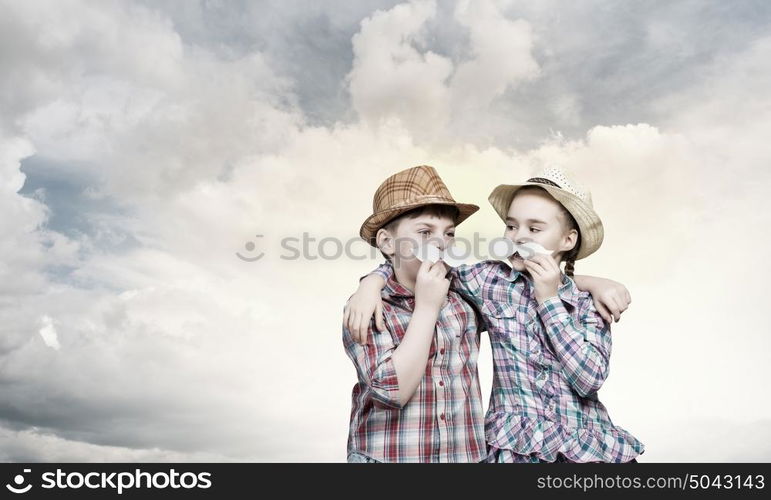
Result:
x=569 y=241
x=385 y=242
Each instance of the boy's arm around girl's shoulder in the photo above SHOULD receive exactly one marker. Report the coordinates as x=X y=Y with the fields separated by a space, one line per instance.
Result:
x=581 y=341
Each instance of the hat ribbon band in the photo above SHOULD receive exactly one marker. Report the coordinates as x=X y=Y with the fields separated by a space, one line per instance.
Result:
x=541 y=180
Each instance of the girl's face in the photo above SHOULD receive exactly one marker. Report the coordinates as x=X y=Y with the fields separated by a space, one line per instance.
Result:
x=535 y=216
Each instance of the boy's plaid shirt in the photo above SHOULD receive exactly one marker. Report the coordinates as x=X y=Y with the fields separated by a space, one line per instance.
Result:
x=443 y=420
x=549 y=362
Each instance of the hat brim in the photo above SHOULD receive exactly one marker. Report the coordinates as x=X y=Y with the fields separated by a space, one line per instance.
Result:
x=375 y=221
x=589 y=223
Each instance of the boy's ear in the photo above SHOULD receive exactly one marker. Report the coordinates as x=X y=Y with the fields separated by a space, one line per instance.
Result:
x=569 y=241
x=385 y=242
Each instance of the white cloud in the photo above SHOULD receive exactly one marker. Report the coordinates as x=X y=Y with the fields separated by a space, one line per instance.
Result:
x=395 y=75
x=21 y=256
x=48 y=332
x=392 y=78
x=501 y=56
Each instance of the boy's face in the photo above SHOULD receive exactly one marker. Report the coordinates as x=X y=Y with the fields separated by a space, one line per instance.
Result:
x=536 y=216
x=423 y=229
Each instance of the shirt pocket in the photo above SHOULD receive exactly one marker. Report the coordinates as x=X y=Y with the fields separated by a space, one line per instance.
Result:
x=506 y=324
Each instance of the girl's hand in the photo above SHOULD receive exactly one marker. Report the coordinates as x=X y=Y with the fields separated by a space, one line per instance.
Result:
x=360 y=307
x=546 y=276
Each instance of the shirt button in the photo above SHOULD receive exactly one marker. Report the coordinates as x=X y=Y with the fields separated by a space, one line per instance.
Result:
x=441 y=416
x=441 y=351
x=441 y=383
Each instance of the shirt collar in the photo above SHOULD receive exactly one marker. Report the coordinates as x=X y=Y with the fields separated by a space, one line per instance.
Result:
x=395 y=289
x=567 y=292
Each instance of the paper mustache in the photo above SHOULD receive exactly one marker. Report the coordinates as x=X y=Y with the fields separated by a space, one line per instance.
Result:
x=501 y=249
x=505 y=248
x=432 y=253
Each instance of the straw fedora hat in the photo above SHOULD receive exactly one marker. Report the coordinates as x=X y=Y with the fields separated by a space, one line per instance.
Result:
x=572 y=196
x=405 y=191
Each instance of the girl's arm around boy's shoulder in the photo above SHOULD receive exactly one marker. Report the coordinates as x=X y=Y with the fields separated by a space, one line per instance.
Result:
x=471 y=281
x=393 y=360
x=367 y=302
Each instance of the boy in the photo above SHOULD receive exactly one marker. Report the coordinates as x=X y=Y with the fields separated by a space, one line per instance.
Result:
x=418 y=397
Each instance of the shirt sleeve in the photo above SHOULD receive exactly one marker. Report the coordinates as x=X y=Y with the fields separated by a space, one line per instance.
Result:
x=581 y=342
x=469 y=281
x=374 y=365
x=384 y=270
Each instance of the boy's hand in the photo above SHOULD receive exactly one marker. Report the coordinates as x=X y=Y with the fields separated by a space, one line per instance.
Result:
x=610 y=297
x=360 y=307
x=431 y=286
x=546 y=276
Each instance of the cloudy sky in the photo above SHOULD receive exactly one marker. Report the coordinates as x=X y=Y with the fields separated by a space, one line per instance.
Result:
x=144 y=144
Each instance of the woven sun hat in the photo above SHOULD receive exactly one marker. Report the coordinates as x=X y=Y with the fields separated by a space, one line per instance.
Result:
x=405 y=191
x=565 y=189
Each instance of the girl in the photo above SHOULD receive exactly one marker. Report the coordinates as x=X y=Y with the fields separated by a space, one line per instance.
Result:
x=550 y=345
